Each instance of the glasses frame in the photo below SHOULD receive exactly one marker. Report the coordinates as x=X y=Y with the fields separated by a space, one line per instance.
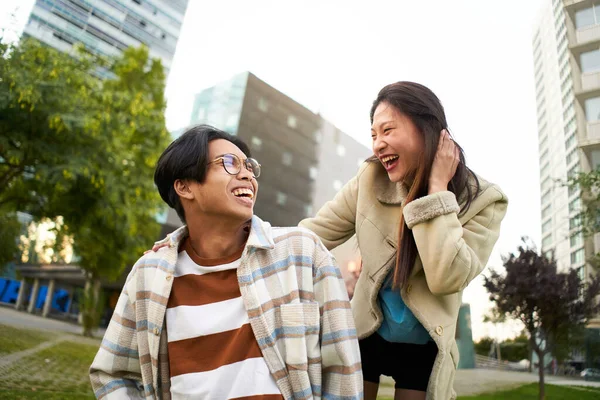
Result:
x=246 y=163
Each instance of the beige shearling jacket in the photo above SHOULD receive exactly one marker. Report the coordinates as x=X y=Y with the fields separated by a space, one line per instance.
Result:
x=452 y=249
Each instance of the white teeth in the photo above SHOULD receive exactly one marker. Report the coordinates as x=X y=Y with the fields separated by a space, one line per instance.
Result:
x=243 y=192
x=388 y=158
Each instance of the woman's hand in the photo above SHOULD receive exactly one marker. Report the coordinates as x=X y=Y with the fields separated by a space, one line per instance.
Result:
x=156 y=247
x=444 y=164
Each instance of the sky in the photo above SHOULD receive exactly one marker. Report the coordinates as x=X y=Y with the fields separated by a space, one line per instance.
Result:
x=334 y=56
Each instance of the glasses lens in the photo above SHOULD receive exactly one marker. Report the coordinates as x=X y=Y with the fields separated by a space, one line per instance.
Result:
x=253 y=166
x=231 y=164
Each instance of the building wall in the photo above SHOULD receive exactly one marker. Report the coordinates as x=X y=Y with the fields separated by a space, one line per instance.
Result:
x=305 y=159
x=464 y=338
x=560 y=129
x=107 y=27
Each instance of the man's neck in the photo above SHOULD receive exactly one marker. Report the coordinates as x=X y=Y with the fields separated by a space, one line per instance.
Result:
x=217 y=238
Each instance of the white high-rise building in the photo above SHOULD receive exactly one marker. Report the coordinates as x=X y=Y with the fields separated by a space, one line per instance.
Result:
x=107 y=27
x=566 y=50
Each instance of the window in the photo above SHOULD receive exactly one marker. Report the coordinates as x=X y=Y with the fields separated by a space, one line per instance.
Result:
x=574 y=223
x=232 y=123
x=575 y=205
x=337 y=185
x=585 y=18
x=547 y=211
x=592 y=109
x=581 y=273
x=286 y=158
x=292 y=121
x=547 y=241
x=544 y=157
x=573 y=190
x=341 y=150
x=263 y=105
x=572 y=156
x=570 y=141
x=256 y=143
x=576 y=240
x=281 y=198
x=546 y=184
x=590 y=61
x=546 y=197
x=547 y=227
x=318 y=136
x=308 y=210
x=595 y=159
x=573 y=171
x=544 y=169
x=577 y=257
x=201 y=114
x=313 y=172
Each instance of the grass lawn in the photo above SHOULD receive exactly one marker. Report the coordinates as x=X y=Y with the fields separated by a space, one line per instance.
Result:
x=13 y=340
x=531 y=392
x=57 y=372
x=41 y=395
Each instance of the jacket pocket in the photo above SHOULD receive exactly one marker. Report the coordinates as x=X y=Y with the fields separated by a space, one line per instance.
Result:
x=389 y=255
x=300 y=324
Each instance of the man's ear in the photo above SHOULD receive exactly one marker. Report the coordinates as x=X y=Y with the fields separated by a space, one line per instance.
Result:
x=182 y=188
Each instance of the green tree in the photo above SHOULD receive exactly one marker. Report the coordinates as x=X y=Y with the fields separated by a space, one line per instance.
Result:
x=90 y=155
x=10 y=228
x=553 y=306
x=110 y=210
x=45 y=98
x=483 y=346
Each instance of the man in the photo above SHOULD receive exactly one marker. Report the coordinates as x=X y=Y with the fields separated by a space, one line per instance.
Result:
x=232 y=307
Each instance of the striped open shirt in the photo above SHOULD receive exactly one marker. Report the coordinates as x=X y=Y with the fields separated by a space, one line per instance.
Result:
x=297 y=307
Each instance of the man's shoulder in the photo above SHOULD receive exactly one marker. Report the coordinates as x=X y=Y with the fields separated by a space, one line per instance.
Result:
x=293 y=234
x=151 y=263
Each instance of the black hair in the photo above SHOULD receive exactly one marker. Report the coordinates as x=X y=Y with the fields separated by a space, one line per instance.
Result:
x=186 y=158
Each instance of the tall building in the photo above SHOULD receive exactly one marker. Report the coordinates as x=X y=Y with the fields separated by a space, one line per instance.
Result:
x=566 y=50
x=107 y=27
x=305 y=159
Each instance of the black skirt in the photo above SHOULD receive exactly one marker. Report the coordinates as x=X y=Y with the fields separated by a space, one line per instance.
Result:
x=408 y=364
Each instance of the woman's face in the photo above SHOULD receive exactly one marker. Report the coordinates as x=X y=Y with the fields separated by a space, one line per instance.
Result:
x=397 y=142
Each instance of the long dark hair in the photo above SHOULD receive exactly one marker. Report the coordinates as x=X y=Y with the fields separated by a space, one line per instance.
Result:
x=425 y=110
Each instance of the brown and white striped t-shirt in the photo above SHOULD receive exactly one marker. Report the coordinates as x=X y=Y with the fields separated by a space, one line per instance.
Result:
x=213 y=353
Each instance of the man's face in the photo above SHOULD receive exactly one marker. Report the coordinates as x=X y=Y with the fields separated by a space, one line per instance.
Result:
x=222 y=194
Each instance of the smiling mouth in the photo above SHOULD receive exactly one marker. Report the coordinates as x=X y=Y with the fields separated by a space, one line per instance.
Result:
x=389 y=162
x=243 y=193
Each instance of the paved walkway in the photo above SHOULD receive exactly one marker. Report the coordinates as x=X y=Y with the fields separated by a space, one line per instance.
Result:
x=22 y=319
x=476 y=381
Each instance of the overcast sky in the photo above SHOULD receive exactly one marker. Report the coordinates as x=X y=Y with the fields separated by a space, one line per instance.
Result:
x=334 y=56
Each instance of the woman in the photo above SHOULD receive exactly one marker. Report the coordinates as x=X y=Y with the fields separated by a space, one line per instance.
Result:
x=426 y=225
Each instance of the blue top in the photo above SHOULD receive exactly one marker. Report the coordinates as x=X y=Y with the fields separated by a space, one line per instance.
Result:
x=399 y=323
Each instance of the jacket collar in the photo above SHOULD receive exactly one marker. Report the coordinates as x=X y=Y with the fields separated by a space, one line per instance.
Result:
x=388 y=192
x=260 y=236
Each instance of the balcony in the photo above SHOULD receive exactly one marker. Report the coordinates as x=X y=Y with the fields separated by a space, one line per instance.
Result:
x=592 y=137
x=587 y=35
x=590 y=81
x=573 y=3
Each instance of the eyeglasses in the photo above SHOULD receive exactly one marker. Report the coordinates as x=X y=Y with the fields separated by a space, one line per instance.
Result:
x=233 y=165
